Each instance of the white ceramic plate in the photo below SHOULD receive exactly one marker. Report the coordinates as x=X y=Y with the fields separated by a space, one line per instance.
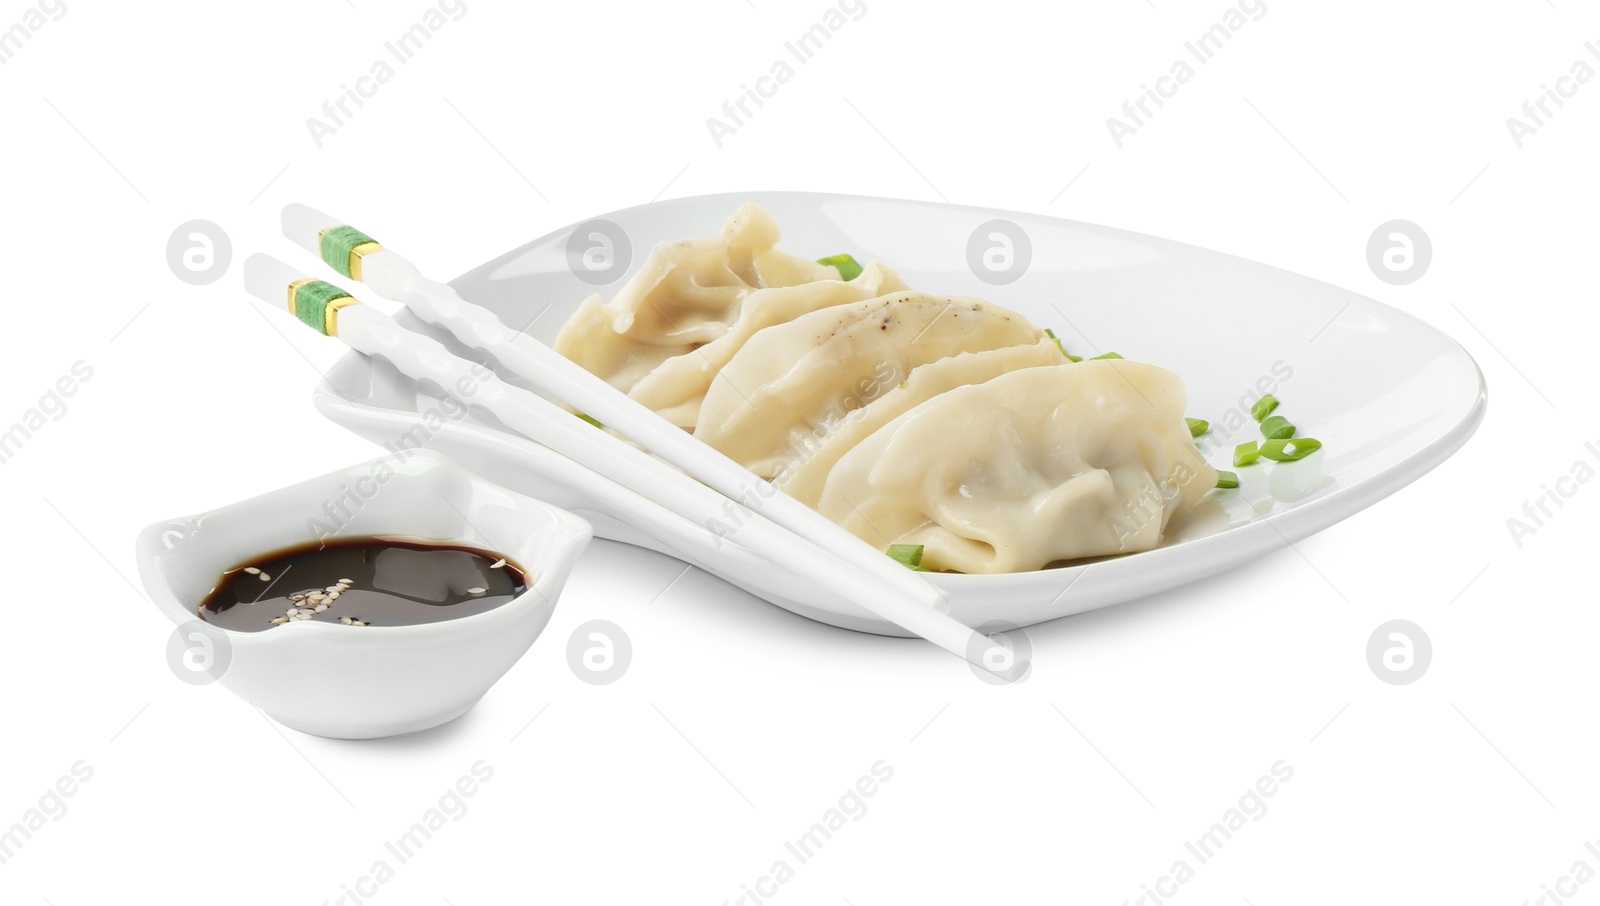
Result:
x=1389 y=396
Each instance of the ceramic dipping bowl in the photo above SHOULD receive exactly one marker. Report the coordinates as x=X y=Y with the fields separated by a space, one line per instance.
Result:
x=362 y=682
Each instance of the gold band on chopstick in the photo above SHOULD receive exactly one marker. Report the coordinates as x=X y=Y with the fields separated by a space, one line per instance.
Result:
x=357 y=253
x=330 y=322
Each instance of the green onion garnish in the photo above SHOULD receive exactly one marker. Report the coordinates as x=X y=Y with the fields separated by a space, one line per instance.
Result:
x=1289 y=449
x=1061 y=346
x=1197 y=426
x=1246 y=453
x=846 y=266
x=1105 y=355
x=1263 y=407
x=1227 y=479
x=1276 y=427
x=589 y=418
x=908 y=554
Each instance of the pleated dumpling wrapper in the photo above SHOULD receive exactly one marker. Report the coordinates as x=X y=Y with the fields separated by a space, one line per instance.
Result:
x=790 y=385
x=686 y=294
x=805 y=480
x=676 y=387
x=1029 y=468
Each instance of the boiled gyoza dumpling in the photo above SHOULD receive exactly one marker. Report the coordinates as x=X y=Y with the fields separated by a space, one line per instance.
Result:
x=1031 y=467
x=687 y=293
x=792 y=382
x=676 y=387
x=587 y=338
x=805 y=479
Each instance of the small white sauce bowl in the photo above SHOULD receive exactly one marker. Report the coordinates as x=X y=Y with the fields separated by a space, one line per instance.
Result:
x=353 y=682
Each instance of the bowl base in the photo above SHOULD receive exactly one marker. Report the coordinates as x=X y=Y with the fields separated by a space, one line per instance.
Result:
x=354 y=730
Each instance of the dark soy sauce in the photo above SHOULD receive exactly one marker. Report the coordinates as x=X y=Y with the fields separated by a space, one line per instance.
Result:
x=359 y=582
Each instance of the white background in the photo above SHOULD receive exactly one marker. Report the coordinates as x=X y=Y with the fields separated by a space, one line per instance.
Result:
x=738 y=725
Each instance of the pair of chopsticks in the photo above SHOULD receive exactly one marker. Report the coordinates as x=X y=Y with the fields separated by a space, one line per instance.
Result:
x=765 y=520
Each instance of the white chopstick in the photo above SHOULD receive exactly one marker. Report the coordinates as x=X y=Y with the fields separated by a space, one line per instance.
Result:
x=920 y=608
x=422 y=358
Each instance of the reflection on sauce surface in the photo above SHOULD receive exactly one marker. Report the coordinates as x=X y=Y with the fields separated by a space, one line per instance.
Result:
x=362 y=582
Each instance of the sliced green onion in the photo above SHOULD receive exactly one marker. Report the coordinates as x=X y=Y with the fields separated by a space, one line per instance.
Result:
x=1227 y=479
x=1052 y=335
x=1061 y=346
x=847 y=266
x=908 y=554
x=1105 y=355
x=1197 y=426
x=1246 y=453
x=1263 y=407
x=1289 y=449
x=590 y=419
x=1276 y=427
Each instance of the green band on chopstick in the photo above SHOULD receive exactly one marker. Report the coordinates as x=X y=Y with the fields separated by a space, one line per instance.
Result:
x=343 y=246
x=315 y=302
